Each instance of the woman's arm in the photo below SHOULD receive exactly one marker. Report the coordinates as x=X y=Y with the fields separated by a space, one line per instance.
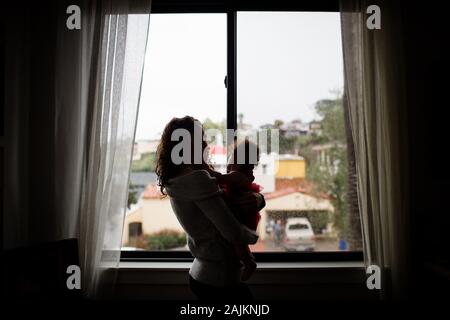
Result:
x=208 y=198
x=250 y=201
x=216 y=210
x=233 y=231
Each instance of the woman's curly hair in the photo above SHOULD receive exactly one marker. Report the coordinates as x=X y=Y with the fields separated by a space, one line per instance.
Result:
x=166 y=169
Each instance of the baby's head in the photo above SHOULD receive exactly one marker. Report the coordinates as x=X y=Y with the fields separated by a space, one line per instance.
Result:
x=244 y=158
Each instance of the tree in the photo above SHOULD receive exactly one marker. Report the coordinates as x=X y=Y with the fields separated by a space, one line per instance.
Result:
x=332 y=175
x=209 y=124
x=330 y=178
x=241 y=119
x=147 y=163
x=354 y=235
x=287 y=144
x=278 y=123
x=132 y=195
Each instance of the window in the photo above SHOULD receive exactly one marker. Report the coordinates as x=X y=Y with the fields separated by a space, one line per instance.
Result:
x=290 y=78
x=183 y=75
x=286 y=75
x=135 y=229
x=298 y=226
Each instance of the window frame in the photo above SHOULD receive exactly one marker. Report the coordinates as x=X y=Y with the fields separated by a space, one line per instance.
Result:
x=186 y=256
x=230 y=8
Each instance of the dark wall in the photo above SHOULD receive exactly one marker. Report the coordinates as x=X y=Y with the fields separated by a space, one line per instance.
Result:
x=2 y=123
x=427 y=34
x=29 y=62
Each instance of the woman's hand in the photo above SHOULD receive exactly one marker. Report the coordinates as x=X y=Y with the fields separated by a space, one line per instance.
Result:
x=247 y=259
x=249 y=268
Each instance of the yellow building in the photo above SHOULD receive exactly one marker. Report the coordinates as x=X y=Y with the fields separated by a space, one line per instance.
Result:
x=291 y=166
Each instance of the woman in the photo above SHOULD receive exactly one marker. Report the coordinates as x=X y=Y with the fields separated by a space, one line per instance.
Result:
x=214 y=234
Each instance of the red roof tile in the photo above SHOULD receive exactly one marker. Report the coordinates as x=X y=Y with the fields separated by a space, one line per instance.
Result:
x=302 y=186
x=152 y=192
x=217 y=150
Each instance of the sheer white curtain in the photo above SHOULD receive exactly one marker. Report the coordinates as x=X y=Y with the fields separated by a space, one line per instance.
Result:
x=98 y=82
x=374 y=90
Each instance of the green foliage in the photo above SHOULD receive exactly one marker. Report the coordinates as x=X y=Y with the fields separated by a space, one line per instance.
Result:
x=209 y=124
x=333 y=125
x=147 y=163
x=304 y=146
x=330 y=176
x=319 y=220
x=165 y=239
x=287 y=144
x=221 y=126
x=278 y=123
x=132 y=195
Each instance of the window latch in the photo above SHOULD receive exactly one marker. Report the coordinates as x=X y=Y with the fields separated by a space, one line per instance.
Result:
x=225 y=82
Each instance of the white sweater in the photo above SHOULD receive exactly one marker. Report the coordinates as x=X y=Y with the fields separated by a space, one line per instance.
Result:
x=211 y=227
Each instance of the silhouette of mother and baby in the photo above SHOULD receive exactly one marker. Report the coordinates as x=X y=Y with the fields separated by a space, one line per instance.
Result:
x=219 y=212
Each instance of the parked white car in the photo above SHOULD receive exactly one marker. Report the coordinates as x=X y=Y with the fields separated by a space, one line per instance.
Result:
x=299 y=235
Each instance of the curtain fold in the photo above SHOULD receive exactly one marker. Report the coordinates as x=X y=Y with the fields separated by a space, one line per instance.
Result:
x=99 y=72
x=375 y=101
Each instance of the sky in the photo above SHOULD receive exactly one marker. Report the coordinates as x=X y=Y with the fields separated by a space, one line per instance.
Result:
x=286 y=62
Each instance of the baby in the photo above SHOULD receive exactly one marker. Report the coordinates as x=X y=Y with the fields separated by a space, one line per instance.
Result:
x=244 y=164
x=243 y=160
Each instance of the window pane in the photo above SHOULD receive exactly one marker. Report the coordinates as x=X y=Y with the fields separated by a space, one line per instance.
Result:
x=183 y=75
x=290 y=78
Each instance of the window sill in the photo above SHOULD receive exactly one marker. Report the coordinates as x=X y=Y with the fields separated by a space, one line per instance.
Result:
x=275 y=273
x=184 y=266
x=158 y=280
x=272 y=280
